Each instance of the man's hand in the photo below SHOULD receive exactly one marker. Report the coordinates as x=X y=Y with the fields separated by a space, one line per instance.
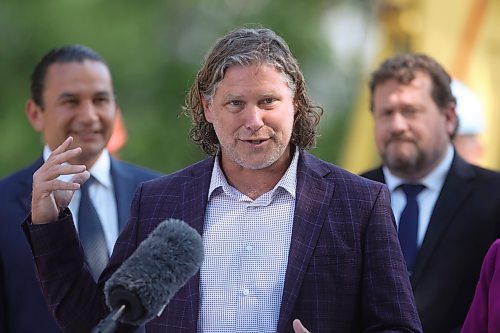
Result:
x=298 y=327
x=50 y=194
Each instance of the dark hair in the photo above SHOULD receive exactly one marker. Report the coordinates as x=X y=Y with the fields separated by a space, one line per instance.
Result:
x=403 y=68
x=248 y=46
x=65 y=54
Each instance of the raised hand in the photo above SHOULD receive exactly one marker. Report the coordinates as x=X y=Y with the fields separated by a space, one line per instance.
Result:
x=50 y=195
x=298 y=327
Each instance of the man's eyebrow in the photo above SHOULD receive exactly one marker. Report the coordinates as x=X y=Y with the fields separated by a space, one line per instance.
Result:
x=103 y=93
x=270 y=94
x=65 y=95
x=230 y=97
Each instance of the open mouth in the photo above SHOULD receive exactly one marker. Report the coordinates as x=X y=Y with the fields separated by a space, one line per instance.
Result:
x=255 y=142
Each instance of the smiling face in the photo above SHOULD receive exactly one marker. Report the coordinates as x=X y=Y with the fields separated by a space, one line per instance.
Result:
x=411 y=132
x=78 y=101
x=252 y=113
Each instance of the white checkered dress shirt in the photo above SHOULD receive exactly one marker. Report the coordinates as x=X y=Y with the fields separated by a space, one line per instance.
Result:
x=246 y=252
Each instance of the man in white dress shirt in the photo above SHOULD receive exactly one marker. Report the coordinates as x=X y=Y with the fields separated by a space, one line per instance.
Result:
x=453 y=210
x=71 y=94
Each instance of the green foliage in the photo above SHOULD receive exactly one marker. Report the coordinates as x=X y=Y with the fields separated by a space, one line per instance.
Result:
x=154 y=49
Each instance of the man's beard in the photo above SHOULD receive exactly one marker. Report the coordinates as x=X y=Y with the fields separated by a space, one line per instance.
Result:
x=406 y=163
x=270 y=158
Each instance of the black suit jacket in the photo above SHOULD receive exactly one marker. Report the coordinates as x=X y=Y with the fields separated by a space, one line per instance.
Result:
x=22 y=306
x=464 y=223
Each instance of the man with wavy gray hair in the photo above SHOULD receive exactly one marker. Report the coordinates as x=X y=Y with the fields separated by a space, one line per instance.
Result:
x=291 y=242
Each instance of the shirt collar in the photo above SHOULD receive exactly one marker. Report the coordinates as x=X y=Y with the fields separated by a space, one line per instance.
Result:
x=287 y=182
x=433 y=181
x=100 y=170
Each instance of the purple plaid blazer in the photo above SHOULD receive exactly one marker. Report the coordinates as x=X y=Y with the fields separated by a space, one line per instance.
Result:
x=345 y=269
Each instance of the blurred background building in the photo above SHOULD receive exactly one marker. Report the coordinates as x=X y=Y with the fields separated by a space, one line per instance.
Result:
x=154 y=49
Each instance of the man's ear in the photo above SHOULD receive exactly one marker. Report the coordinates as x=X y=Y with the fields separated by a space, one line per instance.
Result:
x=119 y=135
x=35 y=115
x=451 y=119
x=206 y=110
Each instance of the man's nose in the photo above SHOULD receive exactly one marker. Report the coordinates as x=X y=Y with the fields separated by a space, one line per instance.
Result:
x=88 y=112
x=253 y=117
x=398 y=123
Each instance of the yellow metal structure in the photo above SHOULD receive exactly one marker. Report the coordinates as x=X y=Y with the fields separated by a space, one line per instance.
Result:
x=463 y=36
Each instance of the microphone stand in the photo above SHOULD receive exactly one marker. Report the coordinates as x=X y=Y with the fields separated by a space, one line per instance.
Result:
x=108 y=324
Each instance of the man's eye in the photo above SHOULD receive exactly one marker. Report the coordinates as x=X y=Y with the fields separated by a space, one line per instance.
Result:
x=384 y=114
x=409 y=112
x=101 y=100
x=70 y=102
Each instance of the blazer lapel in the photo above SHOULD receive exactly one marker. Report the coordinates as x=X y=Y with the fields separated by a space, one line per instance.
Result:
x=124 y=187
x=313 y=196
x=194 y=196
x=26 y=181
x=26 y=193
x=455 y=190
x=376 y=175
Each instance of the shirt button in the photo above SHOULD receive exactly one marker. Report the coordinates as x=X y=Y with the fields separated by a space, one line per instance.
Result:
x=249 y=248
x=246 y=292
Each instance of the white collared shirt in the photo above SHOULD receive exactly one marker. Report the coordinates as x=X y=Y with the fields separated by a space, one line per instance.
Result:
x=246 y=246
x=426 y=199
x=102 y=195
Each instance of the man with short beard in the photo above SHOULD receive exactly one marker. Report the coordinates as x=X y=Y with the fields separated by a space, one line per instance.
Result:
x=457 y=211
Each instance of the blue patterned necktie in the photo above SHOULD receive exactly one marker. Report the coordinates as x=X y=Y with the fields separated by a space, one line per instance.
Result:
x=91 y=233
x=408 y=224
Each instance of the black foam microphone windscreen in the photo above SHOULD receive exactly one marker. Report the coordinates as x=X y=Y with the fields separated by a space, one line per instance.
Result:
x=158 y=268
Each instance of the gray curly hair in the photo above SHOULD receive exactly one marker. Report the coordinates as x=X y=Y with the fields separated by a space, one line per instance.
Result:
x=248 y=46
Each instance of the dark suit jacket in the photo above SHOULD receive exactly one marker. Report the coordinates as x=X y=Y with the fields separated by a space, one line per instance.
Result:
x=464 y=223
x=22 y=307
x=345 y=268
